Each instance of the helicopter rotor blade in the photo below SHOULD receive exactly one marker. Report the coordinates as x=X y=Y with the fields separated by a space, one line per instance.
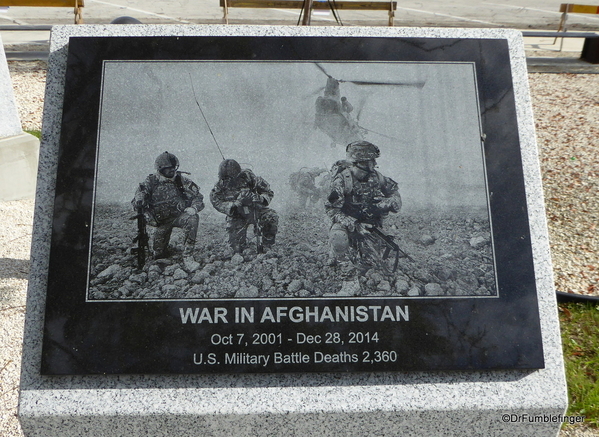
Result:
x=366 y=83
x=380 y=134
x=321 y=68
x=418 y=85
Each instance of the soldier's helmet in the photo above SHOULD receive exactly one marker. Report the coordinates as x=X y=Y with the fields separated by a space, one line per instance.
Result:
x=361 y=151
x=165 y=160
x=229 y=168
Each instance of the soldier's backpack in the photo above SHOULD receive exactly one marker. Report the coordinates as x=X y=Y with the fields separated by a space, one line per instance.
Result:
x=294 y=180
x=300 y=179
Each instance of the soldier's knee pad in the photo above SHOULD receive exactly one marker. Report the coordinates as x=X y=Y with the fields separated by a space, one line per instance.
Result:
x=339 y=240
x=270 y=217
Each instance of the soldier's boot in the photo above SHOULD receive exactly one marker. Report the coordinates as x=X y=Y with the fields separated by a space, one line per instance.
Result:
x=189 y=248
x=268 y=241
x=162 y=236
x=350 y=285
x=237 y=247
x=270 y=226
x=237 y=236
x=332 y=259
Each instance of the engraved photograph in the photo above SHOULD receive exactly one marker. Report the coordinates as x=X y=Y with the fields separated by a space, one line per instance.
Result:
x=289 y=179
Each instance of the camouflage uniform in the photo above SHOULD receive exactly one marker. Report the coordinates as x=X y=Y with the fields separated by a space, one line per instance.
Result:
x=358 y=199
x=244 y=198
x=170 y=202
x=303 y=183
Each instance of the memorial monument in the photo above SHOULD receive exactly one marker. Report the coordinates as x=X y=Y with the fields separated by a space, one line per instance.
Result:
x=415 y=297
x=18 y=150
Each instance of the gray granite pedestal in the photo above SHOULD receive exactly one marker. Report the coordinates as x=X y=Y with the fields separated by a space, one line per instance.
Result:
x=465 y=403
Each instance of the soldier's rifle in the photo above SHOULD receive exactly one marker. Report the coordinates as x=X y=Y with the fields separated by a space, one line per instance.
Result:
x=367 y=212
x=257 y=231
x=371 y=213
x=250 y=213
x=142 y=239
x=390 y=244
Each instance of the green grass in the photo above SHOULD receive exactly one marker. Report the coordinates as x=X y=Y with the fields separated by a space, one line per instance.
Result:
x=580 y=338
x=35 y=133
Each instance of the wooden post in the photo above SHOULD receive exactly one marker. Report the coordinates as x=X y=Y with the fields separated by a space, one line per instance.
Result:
x=307 y=12
x=226 y=12
x=77 y=11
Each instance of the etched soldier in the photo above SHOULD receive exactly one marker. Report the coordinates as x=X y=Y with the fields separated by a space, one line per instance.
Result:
x=303 y=184
x=346 y=106
x=244 y=198
x=169 y=200
x=360 y=198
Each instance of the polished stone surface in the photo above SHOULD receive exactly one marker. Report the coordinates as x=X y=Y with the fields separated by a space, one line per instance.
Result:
x=440 y=333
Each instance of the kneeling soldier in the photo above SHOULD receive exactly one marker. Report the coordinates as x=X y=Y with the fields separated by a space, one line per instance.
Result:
x=244 y=198
x=169 y=200
x=360 y=198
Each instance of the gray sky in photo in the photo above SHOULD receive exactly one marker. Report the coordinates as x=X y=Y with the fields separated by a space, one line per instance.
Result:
x=262 y=115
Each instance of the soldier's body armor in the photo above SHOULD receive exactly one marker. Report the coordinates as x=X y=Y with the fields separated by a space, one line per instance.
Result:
x=366 y=191
x=164 y=202
x=360 y=200
x=225 y=193
x=167 y=200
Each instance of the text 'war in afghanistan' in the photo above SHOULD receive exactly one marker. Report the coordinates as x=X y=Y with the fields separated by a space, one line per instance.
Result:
x=296 y=314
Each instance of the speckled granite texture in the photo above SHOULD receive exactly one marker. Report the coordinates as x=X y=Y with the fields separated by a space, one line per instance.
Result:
x=366 y=404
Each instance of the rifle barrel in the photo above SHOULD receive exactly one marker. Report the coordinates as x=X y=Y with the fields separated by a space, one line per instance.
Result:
x=388 y=240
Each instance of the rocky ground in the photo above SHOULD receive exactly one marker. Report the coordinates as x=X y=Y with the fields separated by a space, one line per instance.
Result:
x=450 y=254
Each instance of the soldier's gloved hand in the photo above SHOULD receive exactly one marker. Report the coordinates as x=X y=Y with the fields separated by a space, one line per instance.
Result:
x=190 y=210
x=235 y=206
x=259 y=199
x=244 y=198
x=256 y=198
x=140 y=199
x=387 y=205
x=250 y=198
x=363 y=228
x=348 y=222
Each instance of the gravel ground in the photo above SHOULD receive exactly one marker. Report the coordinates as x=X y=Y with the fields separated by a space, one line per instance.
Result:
x=566 y=108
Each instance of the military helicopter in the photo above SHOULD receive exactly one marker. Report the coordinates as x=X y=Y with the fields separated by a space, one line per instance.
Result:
x=333 y=114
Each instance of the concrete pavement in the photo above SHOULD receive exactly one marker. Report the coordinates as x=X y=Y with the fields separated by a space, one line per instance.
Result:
x=521 y=14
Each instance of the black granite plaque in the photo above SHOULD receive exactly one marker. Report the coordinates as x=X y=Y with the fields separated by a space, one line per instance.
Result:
x=446 y=283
